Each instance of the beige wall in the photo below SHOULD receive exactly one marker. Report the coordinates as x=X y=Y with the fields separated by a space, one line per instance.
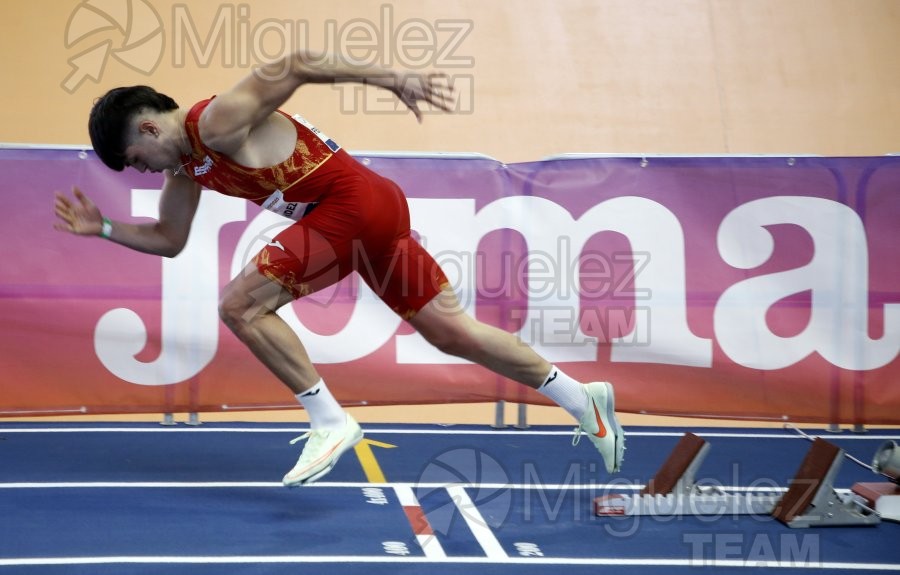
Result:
x=664 y=76
x=547 y=77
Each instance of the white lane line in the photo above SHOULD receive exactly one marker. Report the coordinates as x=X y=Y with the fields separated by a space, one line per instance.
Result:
x=611 y=561
x=473 y=518
x=605 y=487
x=419 y=522
x=488 y=432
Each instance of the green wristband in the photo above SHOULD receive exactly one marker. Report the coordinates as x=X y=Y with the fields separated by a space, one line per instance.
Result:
x=106 y=228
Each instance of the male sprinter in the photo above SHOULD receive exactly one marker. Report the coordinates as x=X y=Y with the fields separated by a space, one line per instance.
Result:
x=239 y=143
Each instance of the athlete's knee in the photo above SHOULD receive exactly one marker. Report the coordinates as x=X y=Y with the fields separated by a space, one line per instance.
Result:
x=239 y=309
x=233 y=309
x=455 y=338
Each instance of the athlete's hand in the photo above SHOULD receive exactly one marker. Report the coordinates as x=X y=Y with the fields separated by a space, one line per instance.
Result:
x=434 y=88
x=80 y=217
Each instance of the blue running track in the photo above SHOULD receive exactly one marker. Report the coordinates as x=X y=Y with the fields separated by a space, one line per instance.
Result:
x=104 y=499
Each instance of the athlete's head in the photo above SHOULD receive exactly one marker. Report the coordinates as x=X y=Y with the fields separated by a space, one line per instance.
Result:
x=123 y=130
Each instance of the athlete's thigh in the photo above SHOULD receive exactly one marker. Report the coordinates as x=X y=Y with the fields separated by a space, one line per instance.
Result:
x=406 y=277
x=307 y=256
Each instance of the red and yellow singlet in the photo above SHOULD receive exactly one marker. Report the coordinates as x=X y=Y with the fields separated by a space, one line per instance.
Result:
x=348 y=218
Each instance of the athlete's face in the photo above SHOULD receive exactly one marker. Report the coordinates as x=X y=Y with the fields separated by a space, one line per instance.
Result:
x=148 y=149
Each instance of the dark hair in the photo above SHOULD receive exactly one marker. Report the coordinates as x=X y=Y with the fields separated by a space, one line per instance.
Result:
x=110 y=117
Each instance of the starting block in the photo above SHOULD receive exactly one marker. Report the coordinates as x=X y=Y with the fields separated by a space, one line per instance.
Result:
x=673 y=490
x=809 y=501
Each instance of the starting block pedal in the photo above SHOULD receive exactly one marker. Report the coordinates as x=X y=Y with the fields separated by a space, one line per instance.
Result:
x=810 y=500
x=883 y=497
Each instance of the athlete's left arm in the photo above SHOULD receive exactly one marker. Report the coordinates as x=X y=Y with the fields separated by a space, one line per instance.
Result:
x=227 y=120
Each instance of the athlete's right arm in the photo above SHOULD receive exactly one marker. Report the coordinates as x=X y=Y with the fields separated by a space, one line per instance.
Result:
x=165 y=237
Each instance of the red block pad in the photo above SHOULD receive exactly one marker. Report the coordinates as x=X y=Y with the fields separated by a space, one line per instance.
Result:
x=807 y=481
x=674 y=467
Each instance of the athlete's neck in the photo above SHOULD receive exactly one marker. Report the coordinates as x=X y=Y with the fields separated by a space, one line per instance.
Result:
x=178 y=116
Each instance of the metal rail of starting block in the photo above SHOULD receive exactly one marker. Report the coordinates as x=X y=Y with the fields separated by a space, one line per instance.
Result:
x=810 y=500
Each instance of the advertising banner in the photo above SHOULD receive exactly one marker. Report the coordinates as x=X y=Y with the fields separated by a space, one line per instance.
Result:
x=750 y=287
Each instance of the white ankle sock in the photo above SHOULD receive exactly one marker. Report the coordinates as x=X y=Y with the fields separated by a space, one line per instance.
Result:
x=324 y=410
x=565 y=391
